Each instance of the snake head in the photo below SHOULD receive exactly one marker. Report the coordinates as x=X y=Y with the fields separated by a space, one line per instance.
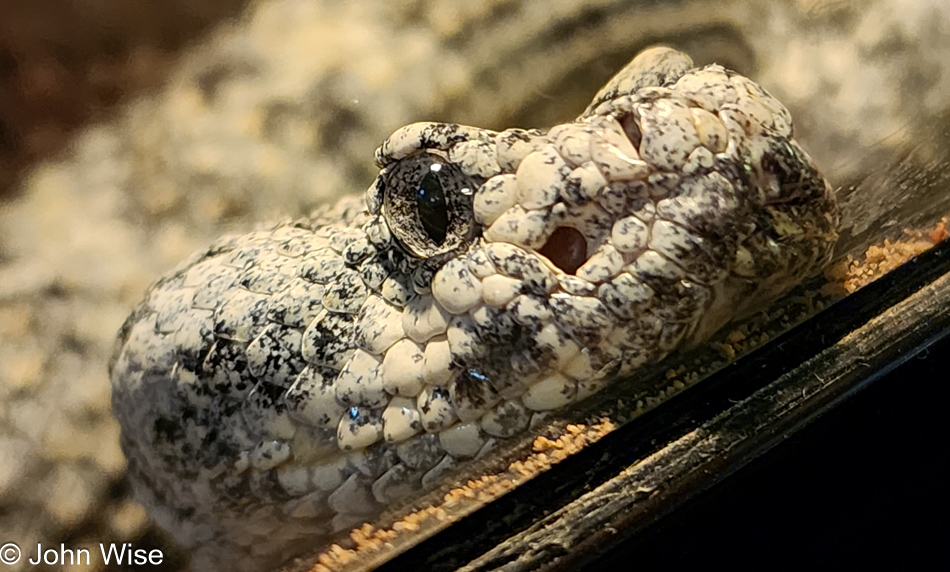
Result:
x=285 y=385
x=557 y=259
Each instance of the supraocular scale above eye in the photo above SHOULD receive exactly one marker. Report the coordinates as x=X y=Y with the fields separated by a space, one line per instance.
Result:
x=427 y=205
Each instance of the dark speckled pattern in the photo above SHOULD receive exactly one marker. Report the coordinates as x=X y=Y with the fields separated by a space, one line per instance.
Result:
x=291 y=383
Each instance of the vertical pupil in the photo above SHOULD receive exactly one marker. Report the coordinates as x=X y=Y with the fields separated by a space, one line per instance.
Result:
x=433 y=213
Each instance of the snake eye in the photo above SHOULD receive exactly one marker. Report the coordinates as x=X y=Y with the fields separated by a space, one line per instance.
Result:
x=428 y=205
x=433 y=212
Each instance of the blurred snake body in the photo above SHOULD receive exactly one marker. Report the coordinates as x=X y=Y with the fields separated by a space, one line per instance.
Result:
x=285 y=385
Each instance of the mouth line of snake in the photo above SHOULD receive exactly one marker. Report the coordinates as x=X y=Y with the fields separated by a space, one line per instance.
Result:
x=284 y=385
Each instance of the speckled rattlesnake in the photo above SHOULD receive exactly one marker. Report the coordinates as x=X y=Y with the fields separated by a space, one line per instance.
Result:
x=286 y=384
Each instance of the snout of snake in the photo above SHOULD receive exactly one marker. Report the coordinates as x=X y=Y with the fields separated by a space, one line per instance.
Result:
x=284 y=385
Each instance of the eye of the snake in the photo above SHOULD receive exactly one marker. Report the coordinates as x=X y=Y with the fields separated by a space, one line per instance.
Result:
x=430 y=199
x=428 y=205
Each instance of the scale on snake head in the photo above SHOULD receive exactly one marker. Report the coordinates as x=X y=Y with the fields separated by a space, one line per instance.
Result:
x=283 y=386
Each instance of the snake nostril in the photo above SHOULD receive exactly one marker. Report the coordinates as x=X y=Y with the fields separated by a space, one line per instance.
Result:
x=566 y=248
x=632 y=129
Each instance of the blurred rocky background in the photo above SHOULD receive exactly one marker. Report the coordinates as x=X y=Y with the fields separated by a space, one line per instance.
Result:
x=65 y=63
x=132 y=133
